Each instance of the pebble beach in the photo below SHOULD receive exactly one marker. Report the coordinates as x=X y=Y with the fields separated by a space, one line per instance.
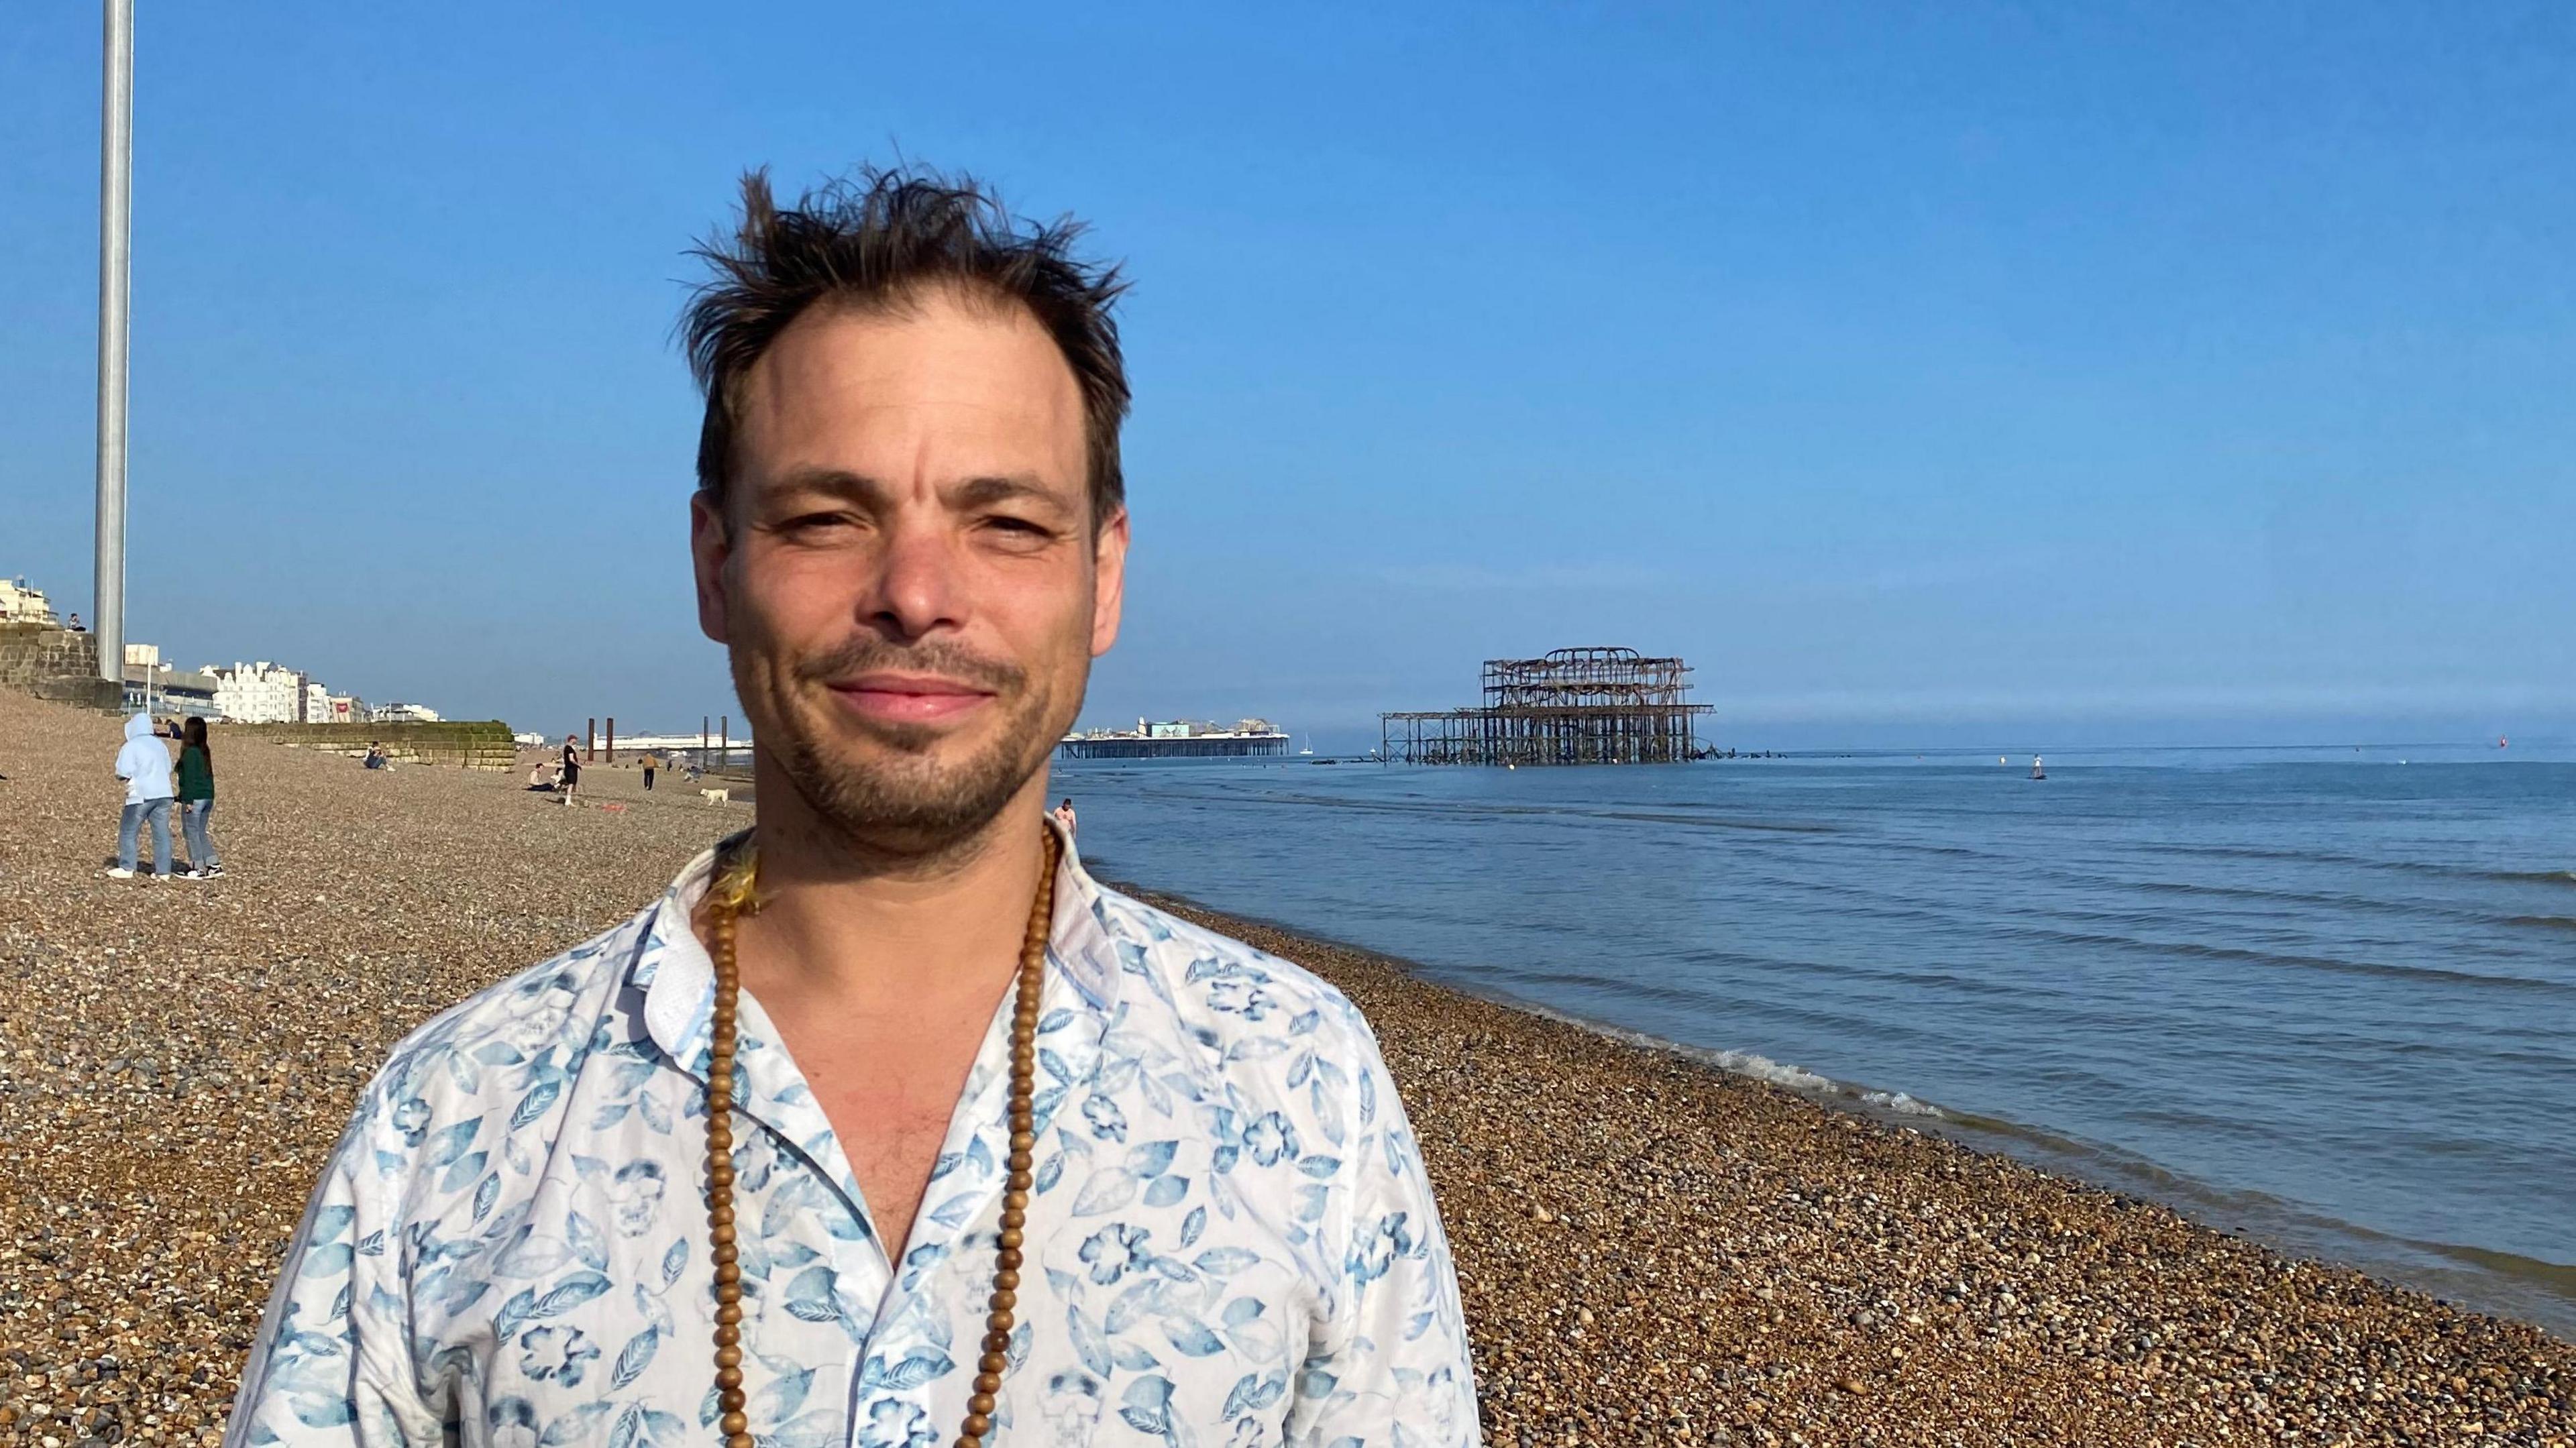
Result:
x=1649 y=1250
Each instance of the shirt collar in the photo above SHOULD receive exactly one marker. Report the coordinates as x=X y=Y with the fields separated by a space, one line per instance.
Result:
x=677 y=977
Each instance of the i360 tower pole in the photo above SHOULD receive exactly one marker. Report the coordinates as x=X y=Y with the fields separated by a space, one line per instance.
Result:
x=115 y=215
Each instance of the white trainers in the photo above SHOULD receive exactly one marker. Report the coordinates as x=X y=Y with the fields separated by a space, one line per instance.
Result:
x=119 y=872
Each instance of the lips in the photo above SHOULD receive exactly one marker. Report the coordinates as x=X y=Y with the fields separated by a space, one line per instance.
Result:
x=909 y=698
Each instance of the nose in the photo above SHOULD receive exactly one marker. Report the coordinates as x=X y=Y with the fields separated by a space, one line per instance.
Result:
x=920 y=583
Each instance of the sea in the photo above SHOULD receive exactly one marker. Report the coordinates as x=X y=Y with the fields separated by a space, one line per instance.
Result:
x=2323 y=997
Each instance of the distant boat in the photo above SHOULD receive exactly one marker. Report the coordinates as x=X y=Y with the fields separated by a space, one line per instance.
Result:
x=1310 y=745
x=2500 y=741
x=2038 y=769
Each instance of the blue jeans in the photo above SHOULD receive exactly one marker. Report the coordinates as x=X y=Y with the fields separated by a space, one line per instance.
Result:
x=196 y=815
x=158 y=812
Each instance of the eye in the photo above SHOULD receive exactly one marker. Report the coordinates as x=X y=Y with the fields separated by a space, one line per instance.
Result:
x=807 y=524
x=1019 y=528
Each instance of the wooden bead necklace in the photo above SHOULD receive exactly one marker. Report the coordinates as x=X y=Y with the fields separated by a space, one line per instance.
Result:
x=730 y=898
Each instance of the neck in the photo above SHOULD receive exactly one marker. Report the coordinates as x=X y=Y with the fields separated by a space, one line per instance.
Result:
x=842 y=921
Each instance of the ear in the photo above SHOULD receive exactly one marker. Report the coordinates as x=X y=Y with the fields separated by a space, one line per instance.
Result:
x=1108 y=582
x=710 y=544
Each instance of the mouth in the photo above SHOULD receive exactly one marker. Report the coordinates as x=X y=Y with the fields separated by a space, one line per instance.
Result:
x=915 y=699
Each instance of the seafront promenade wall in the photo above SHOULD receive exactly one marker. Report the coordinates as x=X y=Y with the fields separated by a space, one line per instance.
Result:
x=53 y=663
x=471 y=744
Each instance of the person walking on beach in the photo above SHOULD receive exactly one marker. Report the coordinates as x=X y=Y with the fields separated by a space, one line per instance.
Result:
x=197 y=799
x=1064 y=817
x=652 y=762
x=570 y=774
x=886 y=1124
x=144 y=764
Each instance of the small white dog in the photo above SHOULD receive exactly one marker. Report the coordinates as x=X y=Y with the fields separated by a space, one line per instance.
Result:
x=716 y=796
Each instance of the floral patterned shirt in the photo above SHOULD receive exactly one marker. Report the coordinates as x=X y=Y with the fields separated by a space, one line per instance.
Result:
x=1231 y=1240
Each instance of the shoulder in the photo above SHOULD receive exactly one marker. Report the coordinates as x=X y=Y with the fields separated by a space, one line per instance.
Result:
x=491 y=1067
x=1266 y=1024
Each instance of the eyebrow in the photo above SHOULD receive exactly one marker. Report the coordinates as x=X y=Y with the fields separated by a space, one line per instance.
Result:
x=975 y=492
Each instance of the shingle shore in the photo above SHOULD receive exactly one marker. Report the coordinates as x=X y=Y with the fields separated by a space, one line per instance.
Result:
x=1650 y=1251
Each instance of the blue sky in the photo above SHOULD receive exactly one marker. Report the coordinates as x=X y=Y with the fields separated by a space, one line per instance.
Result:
x=1939 y=373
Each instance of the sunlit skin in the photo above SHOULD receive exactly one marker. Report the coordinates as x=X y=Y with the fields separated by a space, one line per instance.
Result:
x=911 y=585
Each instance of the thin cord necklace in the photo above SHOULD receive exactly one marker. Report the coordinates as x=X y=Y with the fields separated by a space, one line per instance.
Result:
x=728 y=899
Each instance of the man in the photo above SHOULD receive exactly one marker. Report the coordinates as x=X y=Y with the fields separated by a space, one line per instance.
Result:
x=1064 y=817
x=143 y=762
x=652 y=762
x=570 y=774
x=910 y=535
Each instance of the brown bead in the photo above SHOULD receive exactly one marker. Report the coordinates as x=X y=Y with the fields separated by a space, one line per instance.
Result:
x=722 y=1235
x=997 y=1342
x=1022 y=1140
x=728 y=1357
x=1009 y=1258
x=720 y=1175
x=721 y=1216
x=998 y=1321
x=1004 y=1299
x=727 y=1336
x=729 y=1314
x=1011 y=1237
x=1016 y=1200
x=730 y=1399
x=728 y=1377
x=733 y=1423
x=988 y=1383
x=727 y=1274
x=980 y=1403
x=990 y=1365
x=739 y=1440
x=1006 y=1280
x=977 y=1424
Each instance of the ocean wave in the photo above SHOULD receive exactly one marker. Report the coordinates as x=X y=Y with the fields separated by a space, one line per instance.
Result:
x=2535 y=877
x=1752 y=1065
x=2545 y=922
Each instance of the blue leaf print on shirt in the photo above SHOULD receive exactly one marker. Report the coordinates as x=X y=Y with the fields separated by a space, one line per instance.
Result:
x=462 y=1172
x=570 y=1293
x=1109 y=1188
x=451 y=1143
x=574 y=1426
x=534 y=1104
x=636 y=1356
x=586 y=1242
x=915 y=1369
x=1147 y=1405
x=1088 y=1343
x=809 y=1297
x=784 y=1395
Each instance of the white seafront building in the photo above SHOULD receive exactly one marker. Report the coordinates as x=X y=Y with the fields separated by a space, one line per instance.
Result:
x=262 y=692
x=22 y=604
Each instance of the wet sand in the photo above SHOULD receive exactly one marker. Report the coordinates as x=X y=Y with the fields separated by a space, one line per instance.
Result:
x=1650 y=1251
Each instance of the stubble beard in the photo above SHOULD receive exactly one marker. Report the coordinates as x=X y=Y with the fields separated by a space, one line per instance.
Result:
x=883 y=790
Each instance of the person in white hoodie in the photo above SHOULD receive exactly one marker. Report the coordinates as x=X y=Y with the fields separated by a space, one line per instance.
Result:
x=144 y=765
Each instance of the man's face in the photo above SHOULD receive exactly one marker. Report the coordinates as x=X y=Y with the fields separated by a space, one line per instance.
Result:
x=906 y=572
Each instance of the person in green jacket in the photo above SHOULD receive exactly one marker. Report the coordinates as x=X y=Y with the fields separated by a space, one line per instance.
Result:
x=197 y=799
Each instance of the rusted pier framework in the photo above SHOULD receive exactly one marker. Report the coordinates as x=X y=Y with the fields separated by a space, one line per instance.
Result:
x=1575 y=706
